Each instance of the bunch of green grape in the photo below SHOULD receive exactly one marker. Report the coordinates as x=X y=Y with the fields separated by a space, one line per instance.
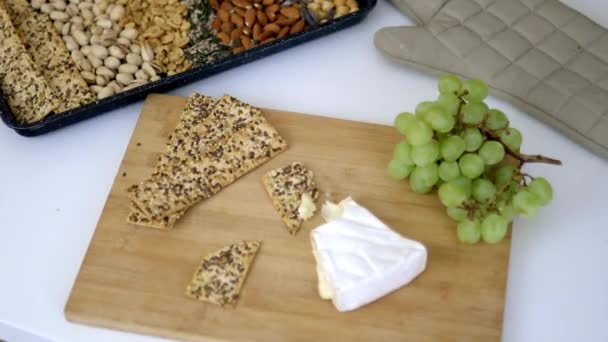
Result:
x=457 y=145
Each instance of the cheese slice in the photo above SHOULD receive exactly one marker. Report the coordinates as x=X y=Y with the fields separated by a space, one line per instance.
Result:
x=359 y=258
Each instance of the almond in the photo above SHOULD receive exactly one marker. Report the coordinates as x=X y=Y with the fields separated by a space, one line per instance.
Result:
x=242 y=4
x=297 y=27
x=246 y=43
x=226 y=27
x=291 y=12
x=284 y=21
x=217 y=24
x=238 y=49
x=223 y=15
x=236 y=19
x=268 y=40
x=265 y=35
x=262 y=19
x=274 y=28
x=271 y=12
x=250 y=17
x=257 y=31
x=236 y=33
x=224 y=38
x=240 y=11
x=214 y=4
x=284 y=31
x=226 y=6
x=267 y=2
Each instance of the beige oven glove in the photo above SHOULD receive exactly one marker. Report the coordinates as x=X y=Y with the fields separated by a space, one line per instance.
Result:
x=540 y=54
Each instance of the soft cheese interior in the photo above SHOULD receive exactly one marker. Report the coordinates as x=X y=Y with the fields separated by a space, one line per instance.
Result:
x=359 y=258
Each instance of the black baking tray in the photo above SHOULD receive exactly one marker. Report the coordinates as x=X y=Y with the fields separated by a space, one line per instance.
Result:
x=57 y=121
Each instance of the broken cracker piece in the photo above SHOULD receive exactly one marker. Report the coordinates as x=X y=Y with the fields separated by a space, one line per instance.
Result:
x=220 y=275
x=293 y=191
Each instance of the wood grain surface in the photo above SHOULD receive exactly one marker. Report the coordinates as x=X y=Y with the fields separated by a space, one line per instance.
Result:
x=134 y=278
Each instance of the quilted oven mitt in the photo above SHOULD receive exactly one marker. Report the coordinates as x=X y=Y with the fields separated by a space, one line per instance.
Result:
x=540 y=54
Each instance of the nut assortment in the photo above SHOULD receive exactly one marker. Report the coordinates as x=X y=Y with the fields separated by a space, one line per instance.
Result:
x=242 y=24
x=107 y=54
x=113 y=46
x=164 y=28
x=325 y=10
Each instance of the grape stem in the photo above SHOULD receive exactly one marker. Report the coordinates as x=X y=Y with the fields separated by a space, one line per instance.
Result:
x=522 y=158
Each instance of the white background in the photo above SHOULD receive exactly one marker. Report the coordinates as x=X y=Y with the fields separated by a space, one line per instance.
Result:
x=52 y=190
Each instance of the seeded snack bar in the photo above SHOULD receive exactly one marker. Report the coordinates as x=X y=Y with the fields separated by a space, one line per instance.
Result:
x=285 y=186
x=220 y=275
x=27 y=92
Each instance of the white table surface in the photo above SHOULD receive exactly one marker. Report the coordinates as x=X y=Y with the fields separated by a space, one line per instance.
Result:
x=53 y=189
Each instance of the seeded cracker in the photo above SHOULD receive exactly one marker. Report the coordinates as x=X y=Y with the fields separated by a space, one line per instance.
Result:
x=285 y=186
x=27 y=92
x=234 y=139
x=196 y=110
x=183 y=185
x=217 y=148
x=49 y=53
x=221 y=274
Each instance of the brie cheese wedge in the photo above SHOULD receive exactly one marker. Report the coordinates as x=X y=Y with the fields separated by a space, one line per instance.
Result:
x=359 y=258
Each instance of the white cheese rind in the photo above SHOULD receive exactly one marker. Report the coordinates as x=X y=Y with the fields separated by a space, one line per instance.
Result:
x=361 y=259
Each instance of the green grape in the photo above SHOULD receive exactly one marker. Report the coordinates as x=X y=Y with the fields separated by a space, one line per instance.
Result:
x=422 y=178
x=511 y=137
x=472 y=139
x=426 y=154
x=418 y=133
x=526 y=203
x=469 y=231
x=403 y=120
x=448 y=170
x=403 y=153
x=422 y=108
x=506 y=211
x=449 y=102
x=496 y=120
x=541 y=188
x=465 y=184
x=452 y=147
x=439 y=119
x=483 y=190
x=492 y=152
x=399 y=170
x=494 y=228
x=449 y=84
x=457 y=214
x=471 y=165
x=451 y=194
x=504 y=174
x=475 y=90
x=473 y=113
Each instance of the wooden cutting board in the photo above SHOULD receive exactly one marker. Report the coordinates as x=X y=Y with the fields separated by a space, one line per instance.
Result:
x=134 y=278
